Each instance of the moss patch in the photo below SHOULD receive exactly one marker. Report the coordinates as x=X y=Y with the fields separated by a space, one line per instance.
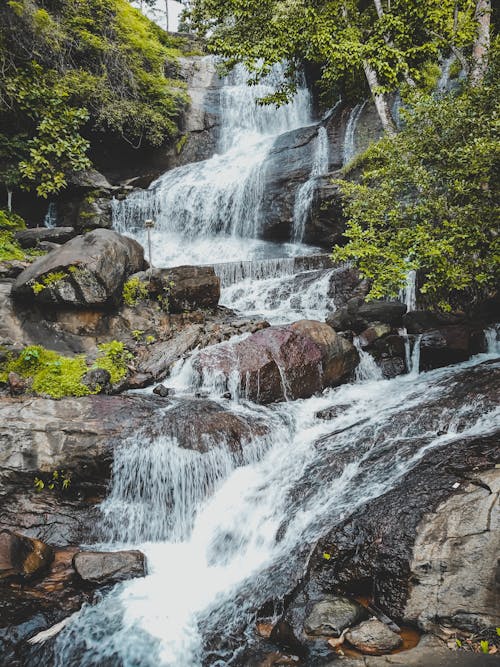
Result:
x=114 y=358
x=134 y=290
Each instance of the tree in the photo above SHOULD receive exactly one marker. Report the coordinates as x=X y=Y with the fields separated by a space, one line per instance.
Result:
x=429 y=198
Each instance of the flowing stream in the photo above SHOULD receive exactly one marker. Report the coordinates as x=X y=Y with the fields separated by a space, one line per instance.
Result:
x=225 y=532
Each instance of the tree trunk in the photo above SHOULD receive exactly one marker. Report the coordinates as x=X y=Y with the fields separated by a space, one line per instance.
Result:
x=379 y=99
x=481 y=45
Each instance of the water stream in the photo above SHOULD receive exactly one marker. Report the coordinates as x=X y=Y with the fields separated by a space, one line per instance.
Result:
x=224 y=532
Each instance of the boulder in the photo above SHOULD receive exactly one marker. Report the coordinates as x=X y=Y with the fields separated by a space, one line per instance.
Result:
x=373 y=333
x=358 y=315
x=17 y=384
x=30 y=238
x=373 y=638
x=454 y=565
x=446 y=345
x=88 y=180
x=332 y=413
x=88 y=271
x=98 y=380
x=12 y=268
x=281 y=362
x=418 y=321
x=97 y=567
x=23 y=556
x=157 y=359
x=330 y=616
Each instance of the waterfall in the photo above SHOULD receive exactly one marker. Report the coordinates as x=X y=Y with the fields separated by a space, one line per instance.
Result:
x=50 y=219
x=305 y=193
x=210 y=208
x=367 y=368
x=350 y=133
x=408 y=294
x=492 y=338
x=443 y=83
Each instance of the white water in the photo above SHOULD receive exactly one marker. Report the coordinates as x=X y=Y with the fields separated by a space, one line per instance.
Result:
x=305 y=193
x=50 y=219
x=408 y=295
x=211 y=565
x=367 y=369
x=350 y=133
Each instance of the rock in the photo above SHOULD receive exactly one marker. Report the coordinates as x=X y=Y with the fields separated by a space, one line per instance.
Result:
x=12 y=268
x=282 y=362
x=331 y=413
x=93 y=213
x=446 y=345
x=157 y=359
x=108 y=568
x=194 y=288
x=359 y=315
x=332 y=615
x=454 y=565
x=30 y=238
x=418 y=321
x=23 y=556
x=161 y=390
x=17 y=384
x=373 y=333
x=88 y=271
x=373 y=637
x=98 y=380
x=326 y=223
x=88 y=179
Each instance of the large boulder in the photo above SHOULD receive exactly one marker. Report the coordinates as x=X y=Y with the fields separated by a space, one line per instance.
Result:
x=88 y=271
x=30 y=238
x=280 y=362
x=447 y=345
x=358 y=315
x=22 y=556
x=331 y=615
x=98 y=567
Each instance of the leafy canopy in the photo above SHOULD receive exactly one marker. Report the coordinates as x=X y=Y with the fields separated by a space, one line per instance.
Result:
x=429 y=198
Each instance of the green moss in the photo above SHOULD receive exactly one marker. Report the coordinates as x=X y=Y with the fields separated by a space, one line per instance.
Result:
x=57 y=376
x=10 y=221
x=181 y=143
x=114 y=358
x=49 y=279
x=134 y=290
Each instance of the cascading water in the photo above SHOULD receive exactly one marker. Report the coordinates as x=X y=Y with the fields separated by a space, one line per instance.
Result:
x=305 y=193
x=350 y=133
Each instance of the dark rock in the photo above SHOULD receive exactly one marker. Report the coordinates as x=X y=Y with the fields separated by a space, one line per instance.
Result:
x=373 y=333
x=163 y=391
x=446 y=345
x=93 y=213
x=30 y=238
x=283 y=362
x=359 y=315
x=418 y=321
x=12 y=268
x=373 y=638
x=17 y=384
x=326 y=224
x=98 y=380
x=194 y=288
x=391 y=367
x=108 y=568
x=88 y=180
x=23 y=556
x=332 y=412
x=330 y=616
x=88 y=271
x=47 y=246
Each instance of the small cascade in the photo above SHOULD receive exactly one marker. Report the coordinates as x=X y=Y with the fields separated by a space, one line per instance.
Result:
x=231 y=273
x=408 y=294
x=305 y=193
x=50 y=219
x=350 y=133
x=414 y=366
x=492 y=339
x=367 y=369
x=443 y=84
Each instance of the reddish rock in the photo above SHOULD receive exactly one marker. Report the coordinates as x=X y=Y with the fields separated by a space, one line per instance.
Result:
x=22 y=556
x=373 y=638
x=17 y=384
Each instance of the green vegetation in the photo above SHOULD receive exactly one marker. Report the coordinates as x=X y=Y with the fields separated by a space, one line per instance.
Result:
x=49 y=279
x=134 y=290
x=73 y=71
x=9 y=247
x=59 y=480
x=429 y=198
x=57 y=376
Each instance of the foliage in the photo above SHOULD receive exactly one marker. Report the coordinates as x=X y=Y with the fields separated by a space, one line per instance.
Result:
x=49 y=279
x=9 y=247
x=134 y=290
x=59 y=480
x=114 y=357
x=428 y=199
x=339 y=36
x=57 y=376
x=72 y=71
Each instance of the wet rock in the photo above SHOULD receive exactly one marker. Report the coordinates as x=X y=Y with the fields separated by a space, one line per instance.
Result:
x=373 y=638
x=88 y=271
x=331 y=616
x=93 y=213
x=358 y=315
x=454 y=566
x=194 y=288
x=30 y=238
x=98 y=380
x=418 y=321
x=17 y=384
x=161 y=390
x=326 y=223
x=23 y=556
x=108 y=568
x=12 y=268
x=332 y=413
x=373 y=333
x=446 y=345
x=282 y=362
x=157 y=359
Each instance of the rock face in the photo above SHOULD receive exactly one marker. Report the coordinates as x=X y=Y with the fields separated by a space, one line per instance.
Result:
x=373 y=638
x=330 y=616
x=88 y=271
x=108 y=568
x=454 y=567
x=282 y=362
x=22 y=556
x=29 y=238
x=446 y=345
